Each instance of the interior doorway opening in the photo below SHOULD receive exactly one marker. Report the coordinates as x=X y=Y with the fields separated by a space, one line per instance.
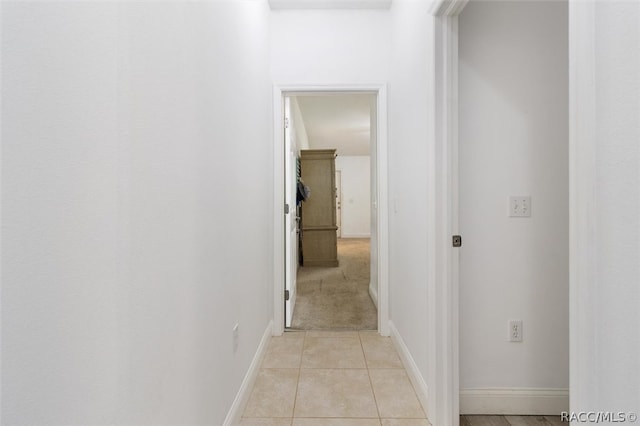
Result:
x=370 y=228
x=512 y=151
x=328 y=258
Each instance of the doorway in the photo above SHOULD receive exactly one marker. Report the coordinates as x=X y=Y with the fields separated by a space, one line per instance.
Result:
x=284 y=279
x=328 y=136
x=445 y=406
x=514 y=210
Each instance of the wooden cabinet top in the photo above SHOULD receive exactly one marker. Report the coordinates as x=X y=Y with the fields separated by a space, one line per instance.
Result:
x=317 y=154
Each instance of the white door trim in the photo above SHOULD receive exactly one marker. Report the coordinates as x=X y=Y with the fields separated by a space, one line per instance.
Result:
x=443 y=365
x=379 y=200
x=582 y=195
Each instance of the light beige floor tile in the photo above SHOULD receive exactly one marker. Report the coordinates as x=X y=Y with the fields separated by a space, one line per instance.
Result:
x=283 y=352
x=405 y=422
x=273 y=394
x=332 y=352
x=380 y=352
x=335 y=393
x=265 y=422
x=336 y=422
x=395 y=395
x=329 y=333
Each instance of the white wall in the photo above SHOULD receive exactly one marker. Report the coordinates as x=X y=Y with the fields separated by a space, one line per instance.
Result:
x=356 y=196
x=60 y=288
x=410 y=139
x=329 y=46
x=513 y=140
x=133 y=135
x=605 y=117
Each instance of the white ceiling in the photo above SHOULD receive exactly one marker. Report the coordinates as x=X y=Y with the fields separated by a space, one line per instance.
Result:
x=340 y=121
x=329 y=4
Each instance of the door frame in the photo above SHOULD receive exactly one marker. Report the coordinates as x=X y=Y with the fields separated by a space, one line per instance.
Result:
x=443 y=339
x=444 y=365
x=379 y=200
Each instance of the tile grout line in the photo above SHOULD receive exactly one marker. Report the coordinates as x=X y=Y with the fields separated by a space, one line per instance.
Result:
x=295 y=397
x=375 y=400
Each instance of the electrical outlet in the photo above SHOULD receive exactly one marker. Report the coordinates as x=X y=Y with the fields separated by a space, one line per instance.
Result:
x=520 y=206
x=515 y=330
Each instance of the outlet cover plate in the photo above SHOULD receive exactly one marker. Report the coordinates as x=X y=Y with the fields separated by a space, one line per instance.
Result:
x=515 y=330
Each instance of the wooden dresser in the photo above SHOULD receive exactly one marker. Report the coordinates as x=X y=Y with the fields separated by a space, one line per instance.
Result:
x=319 y=236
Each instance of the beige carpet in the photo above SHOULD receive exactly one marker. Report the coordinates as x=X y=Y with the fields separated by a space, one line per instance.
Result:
x=337 y=298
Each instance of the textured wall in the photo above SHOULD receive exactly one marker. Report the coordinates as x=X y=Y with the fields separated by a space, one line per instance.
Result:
x=135 y=157
x=605 y=121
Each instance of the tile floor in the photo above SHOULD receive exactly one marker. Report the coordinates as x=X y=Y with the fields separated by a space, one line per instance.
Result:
x=323 y=378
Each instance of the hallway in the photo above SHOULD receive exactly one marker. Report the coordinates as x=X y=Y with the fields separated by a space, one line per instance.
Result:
x=333 y=378
x=142 y=214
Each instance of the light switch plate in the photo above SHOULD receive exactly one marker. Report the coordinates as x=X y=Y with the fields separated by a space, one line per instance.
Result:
x=520 y=206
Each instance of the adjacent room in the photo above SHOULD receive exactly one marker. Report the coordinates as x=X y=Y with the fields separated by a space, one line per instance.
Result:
x=329 y=169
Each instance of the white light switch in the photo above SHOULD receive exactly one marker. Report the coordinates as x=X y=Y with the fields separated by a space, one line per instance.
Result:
x=519 y=206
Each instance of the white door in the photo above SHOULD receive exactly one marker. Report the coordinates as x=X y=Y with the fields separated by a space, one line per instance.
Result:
x=339 y=202
x=291 y=237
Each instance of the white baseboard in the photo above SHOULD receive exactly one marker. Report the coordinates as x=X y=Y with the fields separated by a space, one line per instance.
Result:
x=419 y=384
x=373 y=293
x=516 y=401
x=242 y=397
x=355 y=235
